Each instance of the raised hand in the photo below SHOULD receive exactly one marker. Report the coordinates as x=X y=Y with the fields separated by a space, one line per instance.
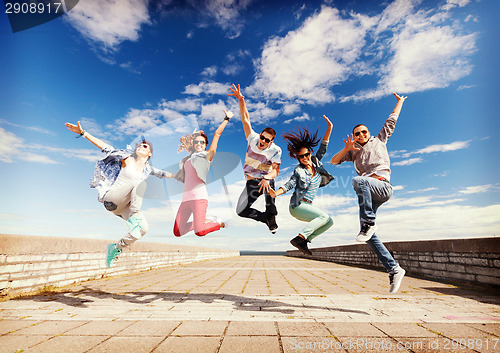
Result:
x=349 y=144
x=236 y=92
x=328 y=120
x=399 y=98
x=77 y=129
x=229 y=114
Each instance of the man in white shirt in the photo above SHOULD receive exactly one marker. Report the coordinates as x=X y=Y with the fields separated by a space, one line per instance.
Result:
x=262 y=165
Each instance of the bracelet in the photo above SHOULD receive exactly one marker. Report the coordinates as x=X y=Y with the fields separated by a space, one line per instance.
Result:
x=227 y=118
x=81 y=134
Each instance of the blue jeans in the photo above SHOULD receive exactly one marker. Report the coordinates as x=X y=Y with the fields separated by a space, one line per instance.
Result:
x=371 y=194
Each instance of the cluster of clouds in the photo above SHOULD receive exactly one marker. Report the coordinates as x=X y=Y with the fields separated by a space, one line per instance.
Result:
x=453 y=146
x=404 y=48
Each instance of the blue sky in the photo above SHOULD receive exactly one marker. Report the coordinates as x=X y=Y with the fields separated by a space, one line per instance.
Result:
x=161 y=68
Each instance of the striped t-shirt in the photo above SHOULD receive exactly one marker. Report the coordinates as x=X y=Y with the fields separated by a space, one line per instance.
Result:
x=313 y=187
x=258 y=162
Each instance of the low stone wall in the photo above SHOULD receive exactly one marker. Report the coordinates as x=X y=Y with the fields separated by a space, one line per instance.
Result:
x=471 y=261
x=29 y=263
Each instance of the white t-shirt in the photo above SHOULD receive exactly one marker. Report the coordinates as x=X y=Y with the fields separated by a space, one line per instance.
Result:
x=258 y=162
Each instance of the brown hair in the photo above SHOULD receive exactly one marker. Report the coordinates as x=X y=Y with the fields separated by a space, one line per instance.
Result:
x=270 y=131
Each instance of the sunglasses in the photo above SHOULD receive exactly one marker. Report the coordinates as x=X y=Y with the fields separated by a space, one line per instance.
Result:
x=198 y=142
x=265 y=139
x=145 y=145
x=300 y=156
x=357 y=133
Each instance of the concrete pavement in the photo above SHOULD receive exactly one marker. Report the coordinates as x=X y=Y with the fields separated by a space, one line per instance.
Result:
x=253 y=304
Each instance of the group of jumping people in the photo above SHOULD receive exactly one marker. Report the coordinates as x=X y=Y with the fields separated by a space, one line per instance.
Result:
x=119 y=175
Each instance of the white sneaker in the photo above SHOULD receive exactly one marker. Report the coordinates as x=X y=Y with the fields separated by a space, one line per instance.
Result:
x=395 y=279
x=366 y=232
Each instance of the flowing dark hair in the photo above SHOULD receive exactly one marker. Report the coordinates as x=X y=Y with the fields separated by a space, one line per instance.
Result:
x=302 y=138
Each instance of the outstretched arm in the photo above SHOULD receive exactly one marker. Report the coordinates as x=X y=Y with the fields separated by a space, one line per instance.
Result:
x=348 y=146
x=218 y=132
x=399 y=103
x=274 y=194
x=77 y=129
x=245 y=117
x=328 y=132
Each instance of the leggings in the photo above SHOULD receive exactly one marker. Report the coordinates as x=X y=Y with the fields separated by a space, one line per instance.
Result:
x=318 y=220
x=199 y=210
x=126 y=201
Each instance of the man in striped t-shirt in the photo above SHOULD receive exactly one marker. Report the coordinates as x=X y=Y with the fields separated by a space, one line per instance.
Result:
x=262 y=165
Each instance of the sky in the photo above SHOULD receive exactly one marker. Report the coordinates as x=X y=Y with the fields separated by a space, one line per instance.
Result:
x=127 y=68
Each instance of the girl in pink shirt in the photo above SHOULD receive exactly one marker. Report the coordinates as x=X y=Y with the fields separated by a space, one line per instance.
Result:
x=193 y=173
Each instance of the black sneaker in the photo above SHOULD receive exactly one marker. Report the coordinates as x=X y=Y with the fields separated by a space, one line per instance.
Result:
x=366 y=232
x=301 y=244
x=271 y=224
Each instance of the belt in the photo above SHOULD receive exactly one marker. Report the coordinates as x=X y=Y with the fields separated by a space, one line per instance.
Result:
x=378 y=177
x=305 y=200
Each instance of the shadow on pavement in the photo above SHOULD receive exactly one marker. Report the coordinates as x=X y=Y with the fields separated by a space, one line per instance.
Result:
x=80 y=299
x=482 y=295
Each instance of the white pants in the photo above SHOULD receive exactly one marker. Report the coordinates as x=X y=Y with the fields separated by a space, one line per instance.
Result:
x=126 y=201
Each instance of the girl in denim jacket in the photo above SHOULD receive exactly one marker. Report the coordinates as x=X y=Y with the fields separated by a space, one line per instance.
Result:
x=307 y=177
x=119 y=179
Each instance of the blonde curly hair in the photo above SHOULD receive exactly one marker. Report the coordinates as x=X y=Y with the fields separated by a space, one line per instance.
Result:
x=186 y=142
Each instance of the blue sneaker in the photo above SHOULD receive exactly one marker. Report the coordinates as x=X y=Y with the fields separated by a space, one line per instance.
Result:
x=112 y=253
x=134 y=226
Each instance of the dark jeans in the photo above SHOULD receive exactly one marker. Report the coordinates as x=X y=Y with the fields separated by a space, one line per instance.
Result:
x=249 y=195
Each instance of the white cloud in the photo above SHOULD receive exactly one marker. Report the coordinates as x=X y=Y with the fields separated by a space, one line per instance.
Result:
x=225 y=13
x=454 y=3
x=207 y=88
x=110 y=22
x=408 y=161
x=457 y=145
x=303 y=117
x=13 y=148
x=453 y=146
x=32 y=128
x=406 y=49
x=210 y=71
x=289 y=109
x=479 y=189
x=308 y=61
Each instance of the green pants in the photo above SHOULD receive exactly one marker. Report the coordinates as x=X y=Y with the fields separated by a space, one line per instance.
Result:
x=318 y=220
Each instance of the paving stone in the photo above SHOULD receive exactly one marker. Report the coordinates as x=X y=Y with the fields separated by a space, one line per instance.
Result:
x=50 y=328
x=457 y=330
x=75 y=344
x=149 y=328
x=404 y=330
x=189 y=345
x=128 y=344
x=356 y=329
x=7 y=325
x=201 y=328
x=254 y=344
x=301 y=329
x=19 y=343
x=248 y=328
x=100 y=328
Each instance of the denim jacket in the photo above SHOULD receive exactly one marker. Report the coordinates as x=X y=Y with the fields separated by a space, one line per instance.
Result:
x=107 y=169
x=301 y=177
